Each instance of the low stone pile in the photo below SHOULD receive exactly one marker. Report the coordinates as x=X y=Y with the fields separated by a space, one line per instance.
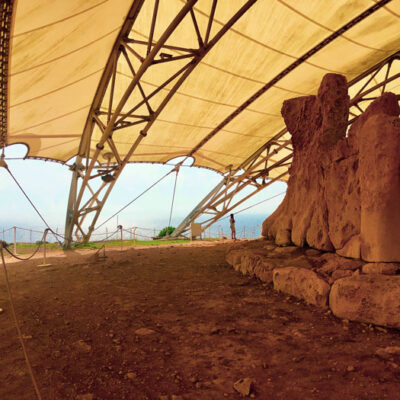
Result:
x=353 y=289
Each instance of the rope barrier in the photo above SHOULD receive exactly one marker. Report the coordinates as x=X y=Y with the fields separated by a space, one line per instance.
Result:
x=20 y=258
x=30 y=230
x=147 y=229
x=145 y=236
x=10 y=296
x=138 y=234
x=112 y=234
x=28 y=258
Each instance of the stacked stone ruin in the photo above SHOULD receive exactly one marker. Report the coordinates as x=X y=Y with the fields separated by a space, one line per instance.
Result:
x=341 y=209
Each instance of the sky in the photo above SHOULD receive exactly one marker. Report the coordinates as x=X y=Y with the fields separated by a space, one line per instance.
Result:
x=47 y=184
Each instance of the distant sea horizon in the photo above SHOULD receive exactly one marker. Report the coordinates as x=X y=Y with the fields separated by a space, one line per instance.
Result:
x=247 y=225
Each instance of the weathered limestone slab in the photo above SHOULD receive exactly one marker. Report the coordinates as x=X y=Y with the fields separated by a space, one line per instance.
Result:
x=233 y=257
x=333 y=262
x=352 y=248
x=303 y=284
x=372 y=298
x=264 y=269
x=341 y=273
x=380 y=188
x=381 y=268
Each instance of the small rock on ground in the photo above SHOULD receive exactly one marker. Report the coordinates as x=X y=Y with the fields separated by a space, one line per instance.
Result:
x=244 y=386
x=86 y=396
x=144 y=331
x=388 y=352
x=82 y=346
x=131 y=375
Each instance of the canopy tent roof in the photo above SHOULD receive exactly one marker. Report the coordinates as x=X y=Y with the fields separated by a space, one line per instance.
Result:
x=60 y=49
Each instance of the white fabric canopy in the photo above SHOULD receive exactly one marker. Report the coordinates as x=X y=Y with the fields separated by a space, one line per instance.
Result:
x=60 y=49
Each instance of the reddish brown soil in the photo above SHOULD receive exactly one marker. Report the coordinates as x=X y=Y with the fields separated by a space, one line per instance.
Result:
x=212 y=327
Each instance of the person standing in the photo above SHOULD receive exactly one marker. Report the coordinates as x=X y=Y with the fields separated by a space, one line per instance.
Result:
x=233 y=228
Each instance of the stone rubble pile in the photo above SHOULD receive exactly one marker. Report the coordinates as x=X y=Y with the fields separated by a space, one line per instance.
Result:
x=342 y=200
x=353 y=289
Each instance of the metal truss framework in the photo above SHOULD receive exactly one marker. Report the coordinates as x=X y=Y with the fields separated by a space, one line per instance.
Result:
x=109 y=118
x=253 y=173
x=6 y=9
x=93 y=181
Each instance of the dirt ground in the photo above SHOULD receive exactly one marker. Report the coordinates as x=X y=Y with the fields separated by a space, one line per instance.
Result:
x=206 y=327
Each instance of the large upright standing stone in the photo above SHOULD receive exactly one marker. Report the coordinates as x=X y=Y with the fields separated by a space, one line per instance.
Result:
x=378 y=139
x=316 y=124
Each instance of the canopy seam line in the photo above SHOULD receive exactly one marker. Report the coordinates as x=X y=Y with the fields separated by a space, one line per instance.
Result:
x=50 y=120
x=267 y=46
x=232 y=73
x=66 y=54
x=331 y=30
x=58 y=89
x=202 y=98
x=60 y=20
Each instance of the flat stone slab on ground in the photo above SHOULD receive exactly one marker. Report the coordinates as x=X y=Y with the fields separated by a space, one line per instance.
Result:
x=303 y=284
x=372 y=298
x=381 y=268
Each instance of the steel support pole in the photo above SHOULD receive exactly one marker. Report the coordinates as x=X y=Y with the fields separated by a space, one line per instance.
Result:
x=69 y=220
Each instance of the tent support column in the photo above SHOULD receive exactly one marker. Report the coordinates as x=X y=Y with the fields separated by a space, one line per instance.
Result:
x=69 y=222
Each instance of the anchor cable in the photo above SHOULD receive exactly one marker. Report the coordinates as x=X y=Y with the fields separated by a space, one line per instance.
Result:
x=4 y=164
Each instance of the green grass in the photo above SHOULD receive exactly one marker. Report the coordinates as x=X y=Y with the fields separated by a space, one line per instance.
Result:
x=22 y=246
x=125 y=243
x=28 y=247
x=25 y=248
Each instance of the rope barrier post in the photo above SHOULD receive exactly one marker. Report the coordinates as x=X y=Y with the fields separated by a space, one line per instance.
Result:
x=15 y=239
x=44 y=250
x=122 y=238
x=134 y=235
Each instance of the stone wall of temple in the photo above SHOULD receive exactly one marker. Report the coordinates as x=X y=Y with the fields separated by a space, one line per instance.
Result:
x=343 y=193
